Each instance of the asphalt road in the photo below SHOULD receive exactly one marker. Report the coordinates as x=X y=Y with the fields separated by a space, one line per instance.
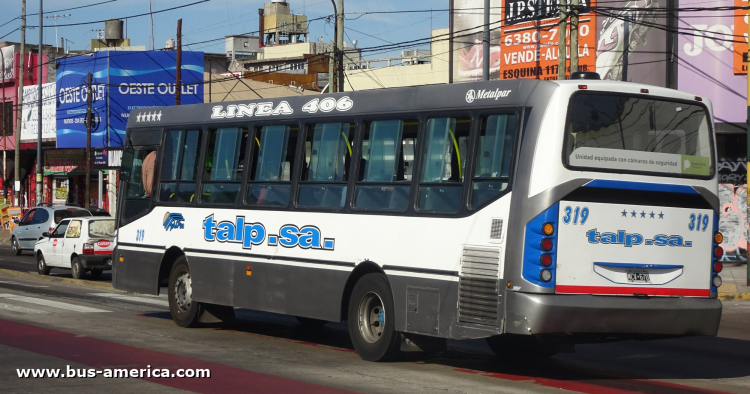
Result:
x=50 y=325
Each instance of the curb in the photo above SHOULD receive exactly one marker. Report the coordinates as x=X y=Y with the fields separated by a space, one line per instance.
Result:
x=734 y=296
x=56 y=279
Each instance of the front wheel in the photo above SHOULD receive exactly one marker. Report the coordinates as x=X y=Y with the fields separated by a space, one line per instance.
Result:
x=76 y=268
x=185 y=312
x=371 y=319
x=15 y=248
x=41 y=265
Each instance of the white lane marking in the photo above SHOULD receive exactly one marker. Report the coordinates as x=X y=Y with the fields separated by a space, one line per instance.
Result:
x=147 y=300
x=21 y=309
x=54 y=304
x=20 y=284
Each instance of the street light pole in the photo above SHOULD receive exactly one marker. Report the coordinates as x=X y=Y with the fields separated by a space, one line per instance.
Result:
x=19 y=118
x=5 y=130
x=39 y=194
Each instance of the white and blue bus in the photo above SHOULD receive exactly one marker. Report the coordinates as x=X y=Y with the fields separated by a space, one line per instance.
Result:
x=526 y=212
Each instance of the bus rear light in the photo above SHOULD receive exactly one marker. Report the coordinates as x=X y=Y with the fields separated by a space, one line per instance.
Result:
x=583 y=87
x=546 y=244
x=716 y=281
x=718 y=237
x=698 y=98
x=718 y=252
x=644 y=90
x=718 y=266
x=88 y=249
x=545 y=275
x=548 y=228
x=545 y=260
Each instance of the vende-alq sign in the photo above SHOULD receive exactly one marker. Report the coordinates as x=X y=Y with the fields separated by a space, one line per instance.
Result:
x=30 y=112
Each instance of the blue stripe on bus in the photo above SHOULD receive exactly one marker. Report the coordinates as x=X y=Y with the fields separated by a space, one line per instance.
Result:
x=653 y=187
x=638 y=266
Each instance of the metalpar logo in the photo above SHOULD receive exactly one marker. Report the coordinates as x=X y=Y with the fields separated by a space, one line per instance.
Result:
x=173 y=221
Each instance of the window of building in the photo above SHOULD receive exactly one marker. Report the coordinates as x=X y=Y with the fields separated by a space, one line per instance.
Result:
x=224 y=166
x=386 y=165
x=179 y=165
x=493 y=158
x=443 y=164
x=325 y=171
x=269 y=181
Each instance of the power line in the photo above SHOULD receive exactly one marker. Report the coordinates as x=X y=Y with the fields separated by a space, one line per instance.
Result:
x=132 y=16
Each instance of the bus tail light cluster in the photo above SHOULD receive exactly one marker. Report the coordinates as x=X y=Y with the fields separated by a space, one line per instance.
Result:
x=717 y=253
x=540 y=248
x=88 y=248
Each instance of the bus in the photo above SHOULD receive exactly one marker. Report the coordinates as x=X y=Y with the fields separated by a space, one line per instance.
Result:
x=535 y=214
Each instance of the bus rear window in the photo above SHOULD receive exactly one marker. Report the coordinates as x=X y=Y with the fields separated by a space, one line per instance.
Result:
x=638 y=134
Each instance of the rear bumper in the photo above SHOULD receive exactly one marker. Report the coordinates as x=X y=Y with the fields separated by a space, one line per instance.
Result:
x=529 y=313
x=102 y=262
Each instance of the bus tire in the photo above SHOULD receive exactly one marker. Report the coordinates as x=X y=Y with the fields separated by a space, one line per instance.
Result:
x=310 y=323
x=525 y=347
x=371 y=319
x=185 y=312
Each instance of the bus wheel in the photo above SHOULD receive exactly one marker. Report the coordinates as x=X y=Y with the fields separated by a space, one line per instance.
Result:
x=310 y=323
x=525 y=347
x=185 y=312
x=371 y=319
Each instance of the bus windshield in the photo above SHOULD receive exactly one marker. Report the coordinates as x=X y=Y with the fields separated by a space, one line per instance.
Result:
x=638 y=134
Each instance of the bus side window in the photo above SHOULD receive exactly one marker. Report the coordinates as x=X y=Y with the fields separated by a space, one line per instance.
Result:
x=443 y=165
x=493 y=160
x=326 y=168
x=179 y=166
x=224 y=165
x=269 y=181
x=386 y=165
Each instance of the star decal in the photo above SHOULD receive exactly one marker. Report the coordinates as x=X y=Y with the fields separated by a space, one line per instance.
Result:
x=652 y=214
x=138 y=118
x=661 y=215
x=643 y=214
x=624 y=213
x=633 y=214
x=158 y=116
x=149 y=117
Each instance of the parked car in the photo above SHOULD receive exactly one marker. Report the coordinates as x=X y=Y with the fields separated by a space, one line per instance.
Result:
x=80 y=244
x=99 y=212
x=39 y=220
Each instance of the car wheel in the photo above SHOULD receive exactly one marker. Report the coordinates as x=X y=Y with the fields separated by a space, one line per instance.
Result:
x=76 y=268
x=15 y=248
x=185 y=311
x=41 y=265
x=371 y=319
x=96 y=272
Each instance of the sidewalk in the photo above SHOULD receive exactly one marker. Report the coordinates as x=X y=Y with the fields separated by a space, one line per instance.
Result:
x=735 y=283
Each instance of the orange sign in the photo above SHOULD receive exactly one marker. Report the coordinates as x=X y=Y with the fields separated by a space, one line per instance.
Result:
x=530 y=49
x=740 y=34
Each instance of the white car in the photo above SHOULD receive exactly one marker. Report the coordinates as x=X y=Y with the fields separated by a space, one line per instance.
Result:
x=80 y=244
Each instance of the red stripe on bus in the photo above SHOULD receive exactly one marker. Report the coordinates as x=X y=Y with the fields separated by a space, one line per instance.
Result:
x=653 y=291
x=101 y=354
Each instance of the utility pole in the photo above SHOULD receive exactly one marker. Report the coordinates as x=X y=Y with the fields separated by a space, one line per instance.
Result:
x=4 y=129
x=562 y=37
x=486 y=43
x=19 y=118
x=87 y=202
x=333 y=56
x=340 y=45
x=574 y=37
x=178 y=65
x=39 y=172
x=626 y=47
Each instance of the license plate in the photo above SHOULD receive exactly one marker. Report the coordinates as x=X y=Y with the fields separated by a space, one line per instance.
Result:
x=638 y=276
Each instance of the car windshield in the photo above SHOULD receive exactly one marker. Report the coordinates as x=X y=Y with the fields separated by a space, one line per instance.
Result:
x=102 y=228
x=61 y=214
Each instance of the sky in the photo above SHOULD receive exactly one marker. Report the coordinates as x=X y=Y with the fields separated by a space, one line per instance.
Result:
x=215 y=19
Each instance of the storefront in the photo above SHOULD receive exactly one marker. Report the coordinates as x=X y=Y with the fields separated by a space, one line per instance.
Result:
x=65 y=179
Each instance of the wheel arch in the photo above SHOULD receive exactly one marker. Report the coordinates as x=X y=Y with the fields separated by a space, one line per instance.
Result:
x=362 y=269
x=166 y=264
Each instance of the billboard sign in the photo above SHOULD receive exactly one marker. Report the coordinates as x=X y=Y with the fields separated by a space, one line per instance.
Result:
x=7 y=67
x=740 y=38
x=123 y=81
x=468 y=24
x=707 y=59
x=30 y=112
